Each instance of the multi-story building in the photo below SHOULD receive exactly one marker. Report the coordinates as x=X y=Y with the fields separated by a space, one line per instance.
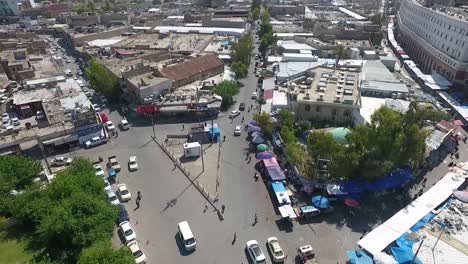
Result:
x=16 y=64
x=436 y=38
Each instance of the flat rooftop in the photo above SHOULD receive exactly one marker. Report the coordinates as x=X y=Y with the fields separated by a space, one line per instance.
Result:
x=144 y=80
x=332 y=86
x=173 y=41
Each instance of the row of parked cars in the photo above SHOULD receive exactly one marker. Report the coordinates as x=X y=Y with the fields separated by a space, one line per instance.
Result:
x=256 y=254
x=117 y=199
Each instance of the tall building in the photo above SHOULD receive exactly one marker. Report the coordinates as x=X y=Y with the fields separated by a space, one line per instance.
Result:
x=436 y=38
x=9 y=8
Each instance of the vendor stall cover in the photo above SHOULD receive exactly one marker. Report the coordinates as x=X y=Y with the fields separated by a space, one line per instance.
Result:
x=270 y=162
x=276 y=174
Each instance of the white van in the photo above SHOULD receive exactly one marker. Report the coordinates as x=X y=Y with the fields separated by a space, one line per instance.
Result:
x=186 y=235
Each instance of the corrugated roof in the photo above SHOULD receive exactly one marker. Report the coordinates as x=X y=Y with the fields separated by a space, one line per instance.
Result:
x=191 y=67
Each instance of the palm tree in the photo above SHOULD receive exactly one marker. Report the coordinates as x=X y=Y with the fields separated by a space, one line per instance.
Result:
x=340 y=53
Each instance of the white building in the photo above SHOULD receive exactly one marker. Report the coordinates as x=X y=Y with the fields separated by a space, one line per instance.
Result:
x=436 y=38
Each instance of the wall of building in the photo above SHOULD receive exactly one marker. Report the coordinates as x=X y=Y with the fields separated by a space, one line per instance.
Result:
x=82 y=20
x=200 y=76
x=107 y=19
x=100 y=35
x=317 y=111
x=207 y=21
x=9 y=8
x=287 y=10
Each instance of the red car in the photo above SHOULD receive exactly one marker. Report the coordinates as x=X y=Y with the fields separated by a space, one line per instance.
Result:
x=103 y=117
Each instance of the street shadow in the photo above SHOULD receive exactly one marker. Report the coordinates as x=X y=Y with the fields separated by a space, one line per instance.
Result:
x=246 y=252
x=284 y=225
x=139 y=120
x=184 y=159
x=180 y=246
x=169 y=204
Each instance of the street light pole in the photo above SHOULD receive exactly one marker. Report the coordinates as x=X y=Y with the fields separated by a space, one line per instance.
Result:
x=152 y=121
x=202 y=159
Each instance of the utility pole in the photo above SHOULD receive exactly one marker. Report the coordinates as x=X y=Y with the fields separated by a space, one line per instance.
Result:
x=152 y=121
x=438 y=238
x=202 y=159
x=417 y=251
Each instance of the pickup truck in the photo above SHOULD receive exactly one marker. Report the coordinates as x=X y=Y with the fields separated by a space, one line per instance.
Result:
x=114 y=163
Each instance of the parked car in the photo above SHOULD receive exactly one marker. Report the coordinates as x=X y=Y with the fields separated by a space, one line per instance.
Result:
x=241 y=106
x=139 y=256
x=113 y=199
x=107 y=186
x=275 y=249
x=5 y=123
x=95 y=141
x=254 y=95
x=234 y=113
x=40 y=115
x=122 y=214
x=124 y=194
x=103 y=99
x=255 y=252
x=124 y=124
x=15 y=121
x=132 y=163
x=96 y=107
x=5 y=116
x=127 y=231
x=114 y=163
x=237 y=131
x=99 y=171
x=61 y=161
x=110 y=126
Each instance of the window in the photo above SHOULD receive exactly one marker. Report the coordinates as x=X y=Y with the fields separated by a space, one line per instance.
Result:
x=333 y=112
x=317 y=109
x=307 y=108
x=347 y=113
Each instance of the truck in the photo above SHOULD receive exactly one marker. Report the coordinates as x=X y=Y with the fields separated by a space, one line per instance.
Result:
x=114 y=163
x=306 y=255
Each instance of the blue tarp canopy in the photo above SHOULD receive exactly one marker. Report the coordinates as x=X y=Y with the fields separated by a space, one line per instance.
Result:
x=276 y=174
x=395 y=179
x=278 y=187
x=320 y=201
x=403 y=251
x=358 y=257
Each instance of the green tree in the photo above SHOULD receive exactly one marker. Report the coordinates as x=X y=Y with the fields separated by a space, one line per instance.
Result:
x=378 y=19
x=156 y=2
x=242 y=50
x=340 y=53
x=286 y=118
x=298 y=156
x=255 y=13
x=264 y=121
x=227 y=89
x=69 y=215
x=91 y=6
x=103 y=253
x=107 y=6
x=288 y=134
x=102 y=79
x=256 y=4
x=240 y=69
x=79 y=8
x=265 y=26
x=16 y=173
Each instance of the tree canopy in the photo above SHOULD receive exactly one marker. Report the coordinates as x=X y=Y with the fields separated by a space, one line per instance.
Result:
x=16 y=173
x=103 y=253
x=340 y=53
x=240 y=54
x=71 y=214
x=227 y=89
x=264 y=121
x=267 y=37
x=101 y=79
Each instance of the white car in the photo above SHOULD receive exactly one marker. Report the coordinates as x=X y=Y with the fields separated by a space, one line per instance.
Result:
x=255 y=252
x=107 y=186
x=113 y=199
x=99 y=171
x=132 y=163
x=124 y=194
x=15 y=121
x=237 y=131
x=234 y=113
x=5 y=123
x=5 y=116
x=96 y=107
x=61 y=161
x=93 y=142
x=137 y=253
x=110 y=126
x=124 y=124
x=275 y=249
x=127 y=231
x=254 y=95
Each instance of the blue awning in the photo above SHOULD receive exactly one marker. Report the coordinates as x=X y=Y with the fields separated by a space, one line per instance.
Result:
x=278 y=187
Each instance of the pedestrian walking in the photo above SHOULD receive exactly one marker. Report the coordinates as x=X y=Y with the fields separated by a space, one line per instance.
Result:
x=222 y=208
x=183 y=127
x=250 y=158
x=116 y=133
x=464 y=139
x=139 y=196
x=235 y=238
x=137 y=203
x=206 y=207
x=255 y=219
x=224 y=138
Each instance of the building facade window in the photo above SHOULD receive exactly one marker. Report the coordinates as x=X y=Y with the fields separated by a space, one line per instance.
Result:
x=347 y=113
x=333 y=112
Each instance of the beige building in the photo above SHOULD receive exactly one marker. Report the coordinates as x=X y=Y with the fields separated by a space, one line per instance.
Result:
x=332 y=96
x=16 y=64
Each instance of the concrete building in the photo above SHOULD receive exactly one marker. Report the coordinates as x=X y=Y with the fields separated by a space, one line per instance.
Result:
x=224 y=22
x=332 y=96
x=378 y=81
x=282 y=10
x=17 y=65
x=146 y=85
x=83 y=20
x=9 y=8
x=436 y=38
x=189 y=71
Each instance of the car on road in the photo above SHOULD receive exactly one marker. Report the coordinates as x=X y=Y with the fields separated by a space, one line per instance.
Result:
x=61 y=161
x=95 y=141
x=255 y=252
x=241 y=106
x=234 y=113
x=103 y=99
x=127 y=231
x=139 y=256
x=124 y=124
x=88 y=93
x=122 y=214
x=132 y=163
x=237 y=131
x=124 y=193
x=110 y=126
x=96 y=107
x=5 y=123
x=107 y=186
x=114 y=163
x=98 y=170
x=254 y=95
x=5 y=116
x=275 y=249
x=113 y=199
